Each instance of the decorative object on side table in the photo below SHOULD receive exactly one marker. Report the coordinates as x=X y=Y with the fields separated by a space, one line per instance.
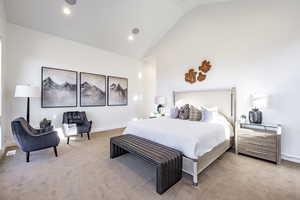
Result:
x=45 y=125
x=258 y=101
x=160 y=101
x=259 y=140
x=28 y=92
x=243 y=119
x=59 y=88
x=117 y=91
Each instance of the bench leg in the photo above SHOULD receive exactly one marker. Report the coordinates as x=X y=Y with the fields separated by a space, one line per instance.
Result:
x=116 y=151
x=195 y=174
x=168 y=174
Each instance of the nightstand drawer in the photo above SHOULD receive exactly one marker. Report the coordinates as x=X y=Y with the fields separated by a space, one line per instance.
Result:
x=267 y=148
x=258 y=137
x=258 y=153
x=270 y=141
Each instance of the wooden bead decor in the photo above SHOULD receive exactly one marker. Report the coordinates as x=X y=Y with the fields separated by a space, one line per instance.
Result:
x=201 y=77
x=205 y=67
x=191 y=76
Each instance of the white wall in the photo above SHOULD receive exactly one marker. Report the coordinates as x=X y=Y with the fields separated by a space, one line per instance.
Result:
x=149 y=80
x=253 y=45
x=28 y=50
x=2 y=69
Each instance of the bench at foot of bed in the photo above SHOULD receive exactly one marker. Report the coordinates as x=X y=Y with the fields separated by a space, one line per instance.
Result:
x=168 y=161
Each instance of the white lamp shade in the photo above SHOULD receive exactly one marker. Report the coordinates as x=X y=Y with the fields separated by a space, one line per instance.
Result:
x=159 y=100
x=259 y=100
x=27 y=91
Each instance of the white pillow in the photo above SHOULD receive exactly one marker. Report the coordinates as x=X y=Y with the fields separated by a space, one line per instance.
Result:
x=209 y=113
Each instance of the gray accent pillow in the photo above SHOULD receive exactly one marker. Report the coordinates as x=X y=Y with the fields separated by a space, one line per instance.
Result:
x=174 y=113
x=195 y=114
x=184 y=112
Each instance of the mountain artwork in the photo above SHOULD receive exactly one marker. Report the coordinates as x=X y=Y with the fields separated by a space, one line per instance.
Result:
x=59 y=88
x=117 y=91
x=92 y=89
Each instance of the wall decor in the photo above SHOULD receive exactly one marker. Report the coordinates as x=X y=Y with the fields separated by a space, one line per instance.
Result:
x=92 y=89
x=201 y=77
x=117 y=91
x=205 y=67
x=191 y=76
x=59 y=88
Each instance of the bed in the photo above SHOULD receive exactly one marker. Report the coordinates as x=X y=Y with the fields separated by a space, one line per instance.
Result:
x=200 y=142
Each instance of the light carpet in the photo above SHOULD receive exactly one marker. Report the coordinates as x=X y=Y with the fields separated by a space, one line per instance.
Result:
x=83 y=170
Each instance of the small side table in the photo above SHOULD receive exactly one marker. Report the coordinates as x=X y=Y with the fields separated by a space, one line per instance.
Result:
x=259 y=140
x=46 y=129
x=156 y=116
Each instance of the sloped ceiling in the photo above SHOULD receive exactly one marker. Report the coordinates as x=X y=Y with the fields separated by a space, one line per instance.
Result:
x=104 y=24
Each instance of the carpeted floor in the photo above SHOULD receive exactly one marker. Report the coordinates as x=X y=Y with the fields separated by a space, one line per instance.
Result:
x=83 y=170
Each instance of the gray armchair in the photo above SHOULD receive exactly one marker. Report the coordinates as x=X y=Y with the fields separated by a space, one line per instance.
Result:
x=30 y=139
x=78 y=119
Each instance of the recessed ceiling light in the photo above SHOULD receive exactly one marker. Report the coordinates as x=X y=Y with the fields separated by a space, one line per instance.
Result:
x=135 y=31
x=130 y=38
x=67 y=11
x=71 y=2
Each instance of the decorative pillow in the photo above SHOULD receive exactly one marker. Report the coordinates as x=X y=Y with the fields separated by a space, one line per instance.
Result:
x=195 y=114
x=184 y=112
x=174 y=113
x=75 y=118
x=209 y=113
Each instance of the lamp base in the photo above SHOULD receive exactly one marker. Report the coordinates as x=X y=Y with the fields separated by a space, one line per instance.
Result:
x=28 y=110
x=159 y=108
x=255 y=116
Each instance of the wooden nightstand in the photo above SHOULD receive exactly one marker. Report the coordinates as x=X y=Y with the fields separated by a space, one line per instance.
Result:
x=259 y=140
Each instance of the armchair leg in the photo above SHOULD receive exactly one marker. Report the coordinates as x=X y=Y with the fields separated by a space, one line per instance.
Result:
x=68 y=140
x=55 y=151
x=27 y=156
x=88 y=136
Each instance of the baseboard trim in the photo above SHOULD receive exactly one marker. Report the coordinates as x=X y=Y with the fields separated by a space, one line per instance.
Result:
x=96 y=130
x=6 y=149
x=291 y=158
x=2 y=153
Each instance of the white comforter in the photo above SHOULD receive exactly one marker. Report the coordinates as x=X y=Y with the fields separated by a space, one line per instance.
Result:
x=192 y=138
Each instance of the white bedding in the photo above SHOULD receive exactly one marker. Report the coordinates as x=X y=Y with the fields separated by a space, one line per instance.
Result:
x=193 y=138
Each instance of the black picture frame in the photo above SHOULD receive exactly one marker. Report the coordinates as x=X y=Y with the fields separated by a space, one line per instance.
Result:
x=80 y=89
x=43 y=68
x=109 y=103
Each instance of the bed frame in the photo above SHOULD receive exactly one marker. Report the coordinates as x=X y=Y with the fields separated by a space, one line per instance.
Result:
x=225 y=100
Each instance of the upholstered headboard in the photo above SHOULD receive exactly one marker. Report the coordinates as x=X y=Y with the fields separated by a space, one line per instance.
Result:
x=224 y=99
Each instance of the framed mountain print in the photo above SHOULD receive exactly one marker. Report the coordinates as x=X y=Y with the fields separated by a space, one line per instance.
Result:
x=59 y=88
x=92 y=89
x=117 y=91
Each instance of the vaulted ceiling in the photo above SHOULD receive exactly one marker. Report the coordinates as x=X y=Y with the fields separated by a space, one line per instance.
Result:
x=104 y=24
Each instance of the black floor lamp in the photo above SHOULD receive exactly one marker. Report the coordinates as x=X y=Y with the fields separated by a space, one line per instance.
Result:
x=28 y=92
